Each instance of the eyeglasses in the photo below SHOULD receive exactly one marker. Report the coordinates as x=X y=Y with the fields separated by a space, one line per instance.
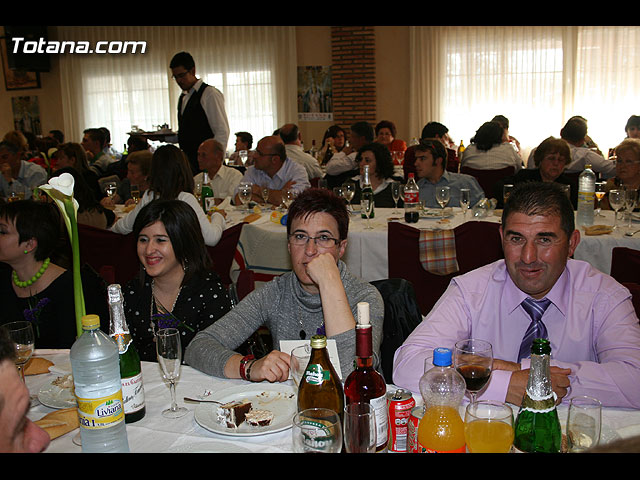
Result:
x=626 y=162
x=260 y=154
x=324 y=241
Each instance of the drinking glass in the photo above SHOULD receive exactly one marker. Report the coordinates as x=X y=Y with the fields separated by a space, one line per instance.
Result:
x=339 y=191
x=244 y=155
x=299 y=360
x=630 y=201
x=135 y=193
x=169 y=350
x=22 y=335
x=473 y=358
x=366 y=205
x=506 y=191
x=617 y=201
x=265 y=194
x=197 y=191
x=317 y=430
x=349 y=190
x=111 y=188
x=245 y=191
x=465 y=201
x=288 y=197
x=442 y=197
x=488 y=427
x=395 y=193
x=360 y=434
x=584 y=423
x=600 y=193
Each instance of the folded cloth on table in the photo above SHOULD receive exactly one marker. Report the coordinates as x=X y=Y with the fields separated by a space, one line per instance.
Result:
x=438 y=251
x=37 y=365
x=59 y=422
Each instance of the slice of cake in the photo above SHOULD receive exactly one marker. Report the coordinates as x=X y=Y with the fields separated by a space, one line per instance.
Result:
x=233 y=413
x=259 y=418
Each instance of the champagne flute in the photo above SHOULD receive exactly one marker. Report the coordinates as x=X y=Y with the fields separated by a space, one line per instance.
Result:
x=244 y=155
x=22 y=335
x=299 y=360
x=135 y=193
x=506 y=191
x=465 y=201
x=360 y=435
x=617 y=201
x=395 y=193
x=317 y=430
x=442 y=197
x=366 y=205
x=584 y=423
x=265 y=194
x=349 y=190
x=245 y=191
x=600 y=193
x=473 y=358
x=288 y=197
x=630 y=201
x=111 y=189
x=197 y=191
x=169 y=351
x=488 y=427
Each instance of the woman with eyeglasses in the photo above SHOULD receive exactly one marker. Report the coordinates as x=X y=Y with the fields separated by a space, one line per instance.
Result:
x=627 y=168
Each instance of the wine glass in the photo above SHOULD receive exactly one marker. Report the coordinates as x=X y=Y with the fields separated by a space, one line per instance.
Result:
x=473 y=358
x=442 y=196
x=506 y=191
x=366 y=205
x=244 y=155
x=488 y=427
x=169 y=350
x=584 y=423
x=22 y=335
x=317 y=430
x=349 y=190
x=630 y=201
x=288 y=197
x=245 y=190
x=197 y=191
x=265 y=194
x=617 y=201
x=360 y=434
x=299 y=360
x=395 y=193
x=135 y=193
x=339 y=191
x=465 y=201
x=600 y=193
x=111 y=188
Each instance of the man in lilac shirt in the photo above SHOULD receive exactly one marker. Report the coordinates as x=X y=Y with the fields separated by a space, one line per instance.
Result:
x=591 y=322
x=274 y=170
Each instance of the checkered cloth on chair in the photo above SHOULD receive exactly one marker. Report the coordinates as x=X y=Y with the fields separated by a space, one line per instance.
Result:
x=438 y=251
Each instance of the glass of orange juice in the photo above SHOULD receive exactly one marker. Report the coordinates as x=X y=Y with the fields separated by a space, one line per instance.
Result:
x=488 y=427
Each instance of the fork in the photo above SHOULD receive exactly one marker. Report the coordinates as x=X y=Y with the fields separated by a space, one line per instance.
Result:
x=198 y=400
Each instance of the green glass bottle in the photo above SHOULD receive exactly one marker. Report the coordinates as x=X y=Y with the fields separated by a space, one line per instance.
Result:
x=130 y=368
x=207 y=194
x=537 y=427
x=366 y=187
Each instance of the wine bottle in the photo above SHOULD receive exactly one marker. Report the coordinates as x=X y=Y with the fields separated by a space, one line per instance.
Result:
x=320 y=386
x=365 y=384
x=207 y=193
x=366 y=187
x=130 y=369
x=537 y=427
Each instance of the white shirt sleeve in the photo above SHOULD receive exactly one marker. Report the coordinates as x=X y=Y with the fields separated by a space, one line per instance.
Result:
x=212 y=102
x=211 y=230
x=341 y=162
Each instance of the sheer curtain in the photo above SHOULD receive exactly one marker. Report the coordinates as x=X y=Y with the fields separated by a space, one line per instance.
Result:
x=254 y=67
x=537 y=77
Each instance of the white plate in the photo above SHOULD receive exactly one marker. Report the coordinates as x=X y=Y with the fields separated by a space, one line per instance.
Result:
x=210 y=447
x=52 y=396
x=279 y=399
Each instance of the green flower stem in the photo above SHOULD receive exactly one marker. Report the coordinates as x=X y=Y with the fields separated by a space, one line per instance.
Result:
x=78 y=294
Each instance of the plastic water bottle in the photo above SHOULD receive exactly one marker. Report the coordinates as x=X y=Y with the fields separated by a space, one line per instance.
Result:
x=586 y=197
x=95 y=363
x=411 y=200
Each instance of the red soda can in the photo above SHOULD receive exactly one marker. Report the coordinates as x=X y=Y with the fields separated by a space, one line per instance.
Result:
x=414 y=421
x=400 y=403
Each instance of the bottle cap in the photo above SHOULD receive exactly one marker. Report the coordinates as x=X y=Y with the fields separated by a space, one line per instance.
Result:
x=318 y=341
x=441 y=357
x=91 y=322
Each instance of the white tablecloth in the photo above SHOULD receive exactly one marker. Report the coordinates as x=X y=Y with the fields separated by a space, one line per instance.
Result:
x=263 y=243
x=156 y=434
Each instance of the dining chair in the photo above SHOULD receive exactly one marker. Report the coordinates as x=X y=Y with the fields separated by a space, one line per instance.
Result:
x=625 y=264
x=488 y=178
x=477 y=243
x=223 y=253
x=110 y=254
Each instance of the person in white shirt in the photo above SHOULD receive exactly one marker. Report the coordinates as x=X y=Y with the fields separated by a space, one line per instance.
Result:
x=201 y=110
x=343 y=164
x=488 y=152
x=223 y=179
x=290 y=135
x=18 y=176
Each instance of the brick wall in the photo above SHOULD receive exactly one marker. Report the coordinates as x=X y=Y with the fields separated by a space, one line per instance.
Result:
x=353 y=74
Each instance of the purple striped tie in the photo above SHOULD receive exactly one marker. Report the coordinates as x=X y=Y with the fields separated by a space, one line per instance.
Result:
x=537 y=329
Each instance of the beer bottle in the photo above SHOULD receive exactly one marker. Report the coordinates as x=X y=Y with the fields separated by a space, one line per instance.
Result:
x=207 y=193
x=320 y=386
x=537 y=427
x=130 y=369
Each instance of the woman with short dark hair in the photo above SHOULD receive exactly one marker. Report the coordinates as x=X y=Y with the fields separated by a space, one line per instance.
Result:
x=378 y=157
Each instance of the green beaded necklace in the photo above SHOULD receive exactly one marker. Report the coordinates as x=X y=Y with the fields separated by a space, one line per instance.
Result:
x=32 y=280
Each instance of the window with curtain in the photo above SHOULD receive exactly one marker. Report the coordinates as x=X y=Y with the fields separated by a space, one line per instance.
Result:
x=538 y=77
x=253 y=67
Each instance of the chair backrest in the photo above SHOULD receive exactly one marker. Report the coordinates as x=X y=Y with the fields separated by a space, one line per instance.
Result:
x=401 y=316
x=112 y=255
x=488 y=178
x=223 y=252
x=477 y=244
x=625 y=265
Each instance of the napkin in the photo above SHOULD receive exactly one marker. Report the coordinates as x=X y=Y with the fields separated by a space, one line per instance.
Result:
x=438 y=251
x=37 y=365
x=59 y=422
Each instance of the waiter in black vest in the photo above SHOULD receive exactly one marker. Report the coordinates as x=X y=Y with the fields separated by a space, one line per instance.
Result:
x=201 y=112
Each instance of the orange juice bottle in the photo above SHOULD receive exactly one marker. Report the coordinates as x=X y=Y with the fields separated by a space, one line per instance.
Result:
x=441 y=429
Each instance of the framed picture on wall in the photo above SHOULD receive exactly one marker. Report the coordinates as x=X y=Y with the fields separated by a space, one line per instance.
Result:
x=17 y=79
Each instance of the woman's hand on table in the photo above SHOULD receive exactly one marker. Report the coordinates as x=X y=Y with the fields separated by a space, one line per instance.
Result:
x=274 y=367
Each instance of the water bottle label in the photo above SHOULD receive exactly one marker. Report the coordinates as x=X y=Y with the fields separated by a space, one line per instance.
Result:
x=587 y=197
x=99 y=413
x=133 y=393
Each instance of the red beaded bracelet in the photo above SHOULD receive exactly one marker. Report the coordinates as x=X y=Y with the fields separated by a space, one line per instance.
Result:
x=243 y=365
